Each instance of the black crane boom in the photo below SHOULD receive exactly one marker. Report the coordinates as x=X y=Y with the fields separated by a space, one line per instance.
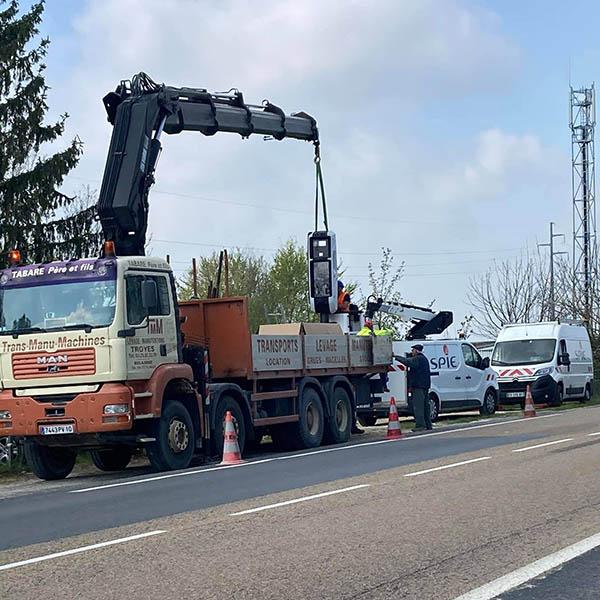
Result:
x=140 y=111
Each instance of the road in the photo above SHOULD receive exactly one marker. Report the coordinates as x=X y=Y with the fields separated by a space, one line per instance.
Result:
x=456 y=513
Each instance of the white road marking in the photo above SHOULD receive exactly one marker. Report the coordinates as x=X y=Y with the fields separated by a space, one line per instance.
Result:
x=305 y=454
x=296 y=500
x=532 y=570
x=168 y=476
x=38 y=559
x=596 y=433
x=450 y=466
x=543 y=445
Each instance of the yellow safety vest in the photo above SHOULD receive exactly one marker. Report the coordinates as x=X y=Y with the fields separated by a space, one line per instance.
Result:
x=368 y=331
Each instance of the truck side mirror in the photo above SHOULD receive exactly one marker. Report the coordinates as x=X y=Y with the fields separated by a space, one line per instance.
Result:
x=149 y=294
x=485 y=363
x=564 y=359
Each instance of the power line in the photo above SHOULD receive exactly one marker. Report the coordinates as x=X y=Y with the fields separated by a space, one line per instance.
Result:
x=436 y=253
x=363 y=269
x=429 y=274
x=272 y=208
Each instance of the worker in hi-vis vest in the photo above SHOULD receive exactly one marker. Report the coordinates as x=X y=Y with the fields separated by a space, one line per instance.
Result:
x=343 y=301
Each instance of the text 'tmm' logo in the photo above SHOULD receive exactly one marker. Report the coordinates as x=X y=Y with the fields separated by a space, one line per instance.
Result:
x=155 y=326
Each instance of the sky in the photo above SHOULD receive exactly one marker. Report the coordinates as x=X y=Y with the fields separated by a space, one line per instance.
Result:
x=443 y=123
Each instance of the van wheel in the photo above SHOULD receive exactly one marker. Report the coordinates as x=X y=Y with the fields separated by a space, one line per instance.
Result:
x=338 y=426
x=559 y=397
x=111 y=459
x=175 y=439
x=48 y=462
x=227 y=403
x=367 y=420
x=434 y=407
x=587 y=394
x=489 y=404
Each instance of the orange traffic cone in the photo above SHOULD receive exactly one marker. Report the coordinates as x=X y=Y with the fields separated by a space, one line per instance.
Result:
x=231 y=448
x=393 y=430
x=529 y=410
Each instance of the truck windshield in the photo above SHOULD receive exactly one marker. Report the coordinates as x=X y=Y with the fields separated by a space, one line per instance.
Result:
x=523 y=352
x=57 y=306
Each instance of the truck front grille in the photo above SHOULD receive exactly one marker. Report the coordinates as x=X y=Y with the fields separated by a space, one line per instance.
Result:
x=35 y=365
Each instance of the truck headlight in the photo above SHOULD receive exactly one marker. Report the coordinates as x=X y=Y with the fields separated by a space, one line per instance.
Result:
x=5 y=414
x=544 y=371
x=116 y=409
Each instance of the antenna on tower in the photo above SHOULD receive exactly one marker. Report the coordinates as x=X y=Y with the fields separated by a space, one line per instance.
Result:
x=583 y=122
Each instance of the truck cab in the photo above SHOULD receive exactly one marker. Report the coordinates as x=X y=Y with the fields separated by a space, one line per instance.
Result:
x=87 y=323
x=87 y=348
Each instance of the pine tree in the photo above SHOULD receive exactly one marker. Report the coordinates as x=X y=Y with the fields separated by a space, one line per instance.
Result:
x=34 y=215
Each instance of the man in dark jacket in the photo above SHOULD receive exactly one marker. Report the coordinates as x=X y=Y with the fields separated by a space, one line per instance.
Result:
x=419 y=381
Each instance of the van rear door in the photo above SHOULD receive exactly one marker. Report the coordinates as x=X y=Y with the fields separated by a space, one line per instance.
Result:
x=577 y=372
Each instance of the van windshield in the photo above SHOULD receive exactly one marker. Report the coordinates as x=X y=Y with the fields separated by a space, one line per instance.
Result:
x=523 y=352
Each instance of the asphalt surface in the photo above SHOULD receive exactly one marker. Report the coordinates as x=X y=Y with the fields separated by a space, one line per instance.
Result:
x=377 y=519
x=579 y=579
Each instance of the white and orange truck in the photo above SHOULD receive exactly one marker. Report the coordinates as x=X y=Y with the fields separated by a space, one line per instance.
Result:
x=98 y=354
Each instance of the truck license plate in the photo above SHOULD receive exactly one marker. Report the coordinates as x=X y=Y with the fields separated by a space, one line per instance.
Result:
x=56 y=429
x=515 y=394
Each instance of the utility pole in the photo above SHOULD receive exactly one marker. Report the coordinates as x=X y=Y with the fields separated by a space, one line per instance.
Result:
x=550 y=244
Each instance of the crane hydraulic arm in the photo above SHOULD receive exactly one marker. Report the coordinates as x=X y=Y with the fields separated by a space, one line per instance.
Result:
x=140 y=111
x=424 y=320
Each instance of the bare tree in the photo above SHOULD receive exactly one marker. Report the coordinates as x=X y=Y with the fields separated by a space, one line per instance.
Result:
x=512 y=291
x=466 y=327
x=384 y=283
x=571 y=301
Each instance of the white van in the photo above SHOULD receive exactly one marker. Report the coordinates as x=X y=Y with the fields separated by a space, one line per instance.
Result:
x=460 y=380
x=554 y=358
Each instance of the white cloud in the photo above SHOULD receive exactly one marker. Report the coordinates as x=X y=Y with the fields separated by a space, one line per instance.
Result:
x=266 y=44
x=498 y=162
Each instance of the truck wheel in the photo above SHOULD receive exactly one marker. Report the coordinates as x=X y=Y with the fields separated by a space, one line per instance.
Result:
x=489 y=404
x=434 y=408
x=338 y=426
x=49 y=462
x=175 y=439
x=112 y=459
x=227 y=403
x=367 y=420
x=308 y=432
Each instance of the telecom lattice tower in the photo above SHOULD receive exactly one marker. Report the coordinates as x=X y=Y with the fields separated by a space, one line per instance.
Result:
x=583 y=121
